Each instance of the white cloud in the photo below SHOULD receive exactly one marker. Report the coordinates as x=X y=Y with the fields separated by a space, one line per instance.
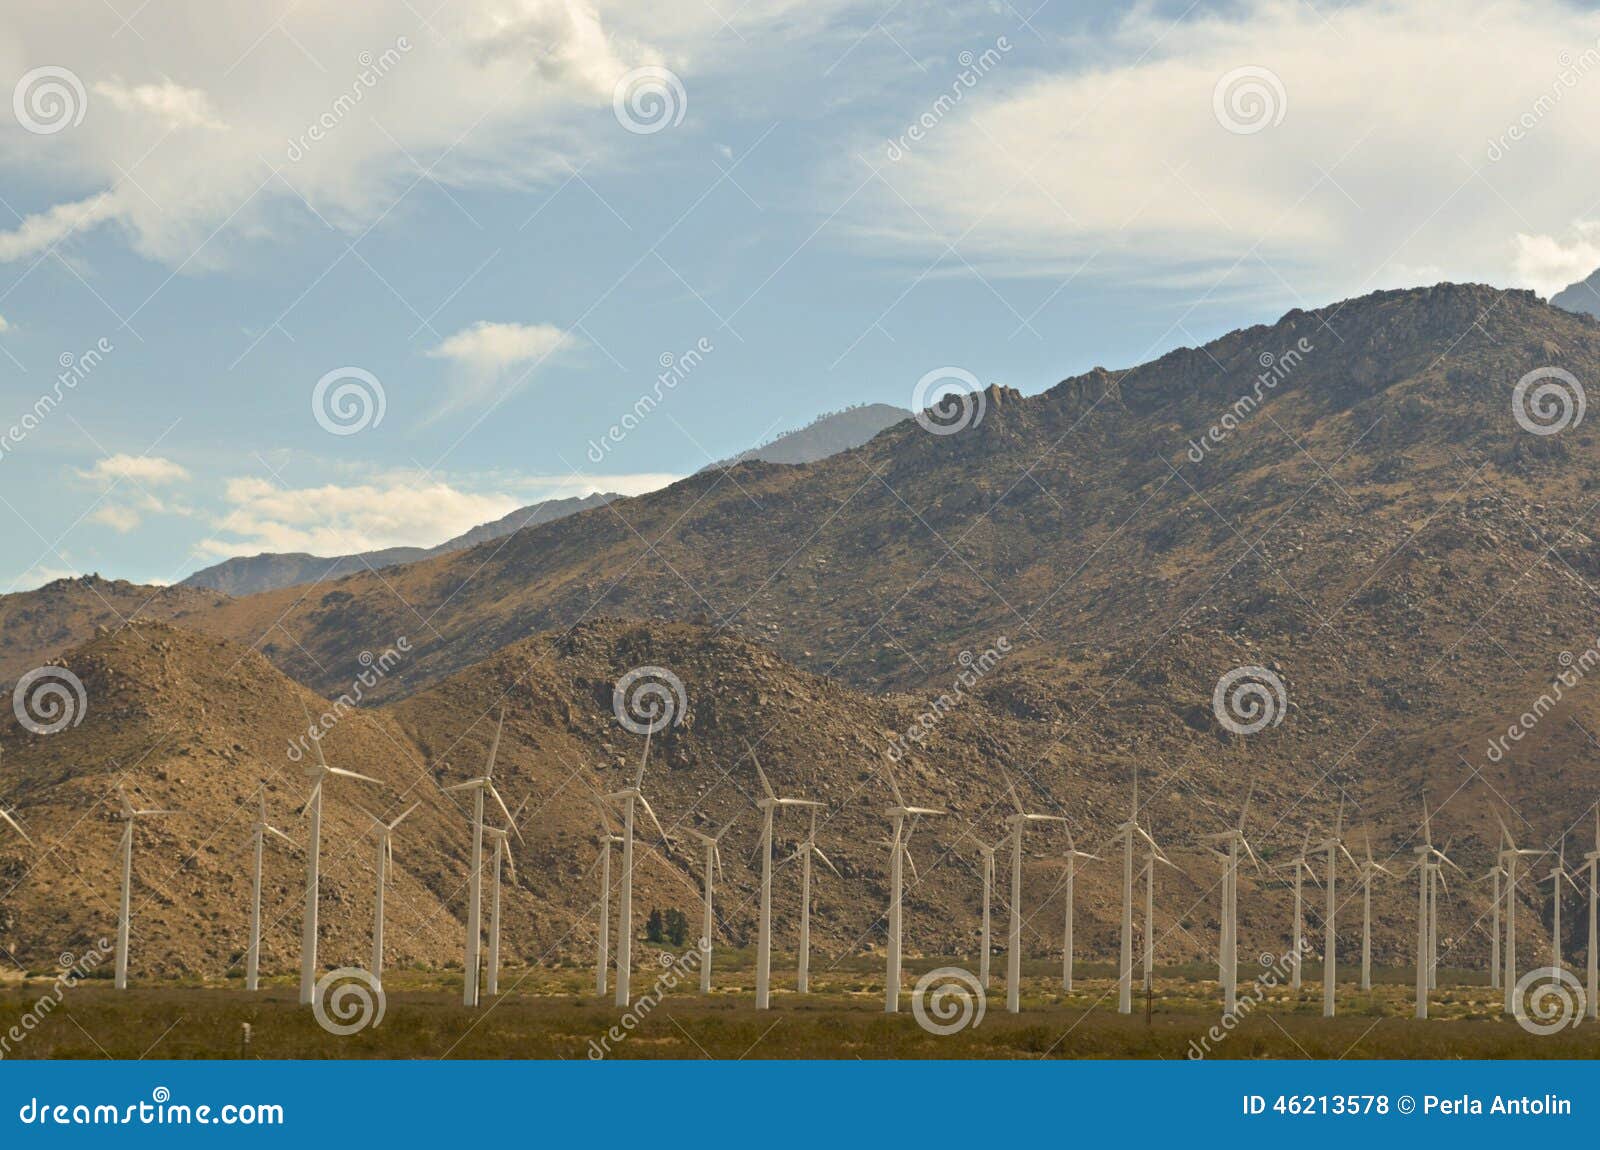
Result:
x=120 y=519
x=149 y=470
x=172 y=106
x=1550 y=263
x=1382 y=161
x=484 y=355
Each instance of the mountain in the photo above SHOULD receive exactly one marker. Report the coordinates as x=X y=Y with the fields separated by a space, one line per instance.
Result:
x=824 y=436
x=1582 y=297
x=269 y=571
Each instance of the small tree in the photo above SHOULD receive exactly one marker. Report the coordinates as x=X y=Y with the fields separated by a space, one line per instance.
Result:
x=677 y=927
x=653 y=926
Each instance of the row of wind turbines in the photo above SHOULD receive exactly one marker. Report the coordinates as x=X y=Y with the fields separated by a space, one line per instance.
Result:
x=1141 y=856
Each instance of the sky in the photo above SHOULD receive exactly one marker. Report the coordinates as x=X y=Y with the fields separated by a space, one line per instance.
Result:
x=302 y=276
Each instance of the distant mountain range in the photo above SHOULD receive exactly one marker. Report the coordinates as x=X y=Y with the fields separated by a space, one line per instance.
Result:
x=824 y=436
x=268 y=571
x=1582 y=297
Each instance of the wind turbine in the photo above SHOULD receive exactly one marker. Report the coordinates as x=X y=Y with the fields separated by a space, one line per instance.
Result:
x=1018 y=823
x=1368 y=869
x=318 y=774
x=804 y=852
x=1230 y=842
x=1509 y=854
x=768 y=805
x=1334 y=845
x=1301 y=867
x=129 y=816
x=1128 y=832
x=631 y=797
x=898 y=855
x=502 y=856
x=1148 y=963
x=385 y=865
x=713 y=846
x=1593 y=859
x=480 y=786
x=1430 y=866
x=987 y=851
x=1555 y=878
x=606 y=838
x=1073 y=854
x=259 y=832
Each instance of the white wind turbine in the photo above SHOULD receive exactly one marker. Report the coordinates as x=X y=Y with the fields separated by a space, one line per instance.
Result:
x=1128 y=832
x=1334 y=846
x=1368 y=869
x=768 y=805
x=1555 y=879
x=1509 y=854
x=631 y=798
x=480 y=786
x=607 y=838
x=987 y=852
x=1593 y=859
x=1301 y=867
x=713 y=865
x=129 y=816
x=1429 y=866
x=898 y=856
x=308 y=936
x=1493 y=875
x=502 y=858
x=1018 y=823
x=385 y=865
x=804 y=852
x=259 y=832
x=1229 y=843
x=1073 y=854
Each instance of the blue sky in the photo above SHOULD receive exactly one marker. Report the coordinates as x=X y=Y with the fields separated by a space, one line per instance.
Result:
x=483 y=235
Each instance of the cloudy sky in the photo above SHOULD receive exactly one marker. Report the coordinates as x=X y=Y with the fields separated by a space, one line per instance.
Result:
x=316 y=276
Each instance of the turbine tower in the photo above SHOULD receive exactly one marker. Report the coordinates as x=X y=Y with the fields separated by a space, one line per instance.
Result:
x=987 y=851
x=129 y=817
x=1301 y=867
x=607 y=837
x=768 y=805
x=1368 y=869
x=898 y=854
x=1509 y=854
x=713 y=845
x=318 y=775
x=1334 y=846
x=1018 y=822
x=502 y=857
x=1128 y=832
x=259 y=832
x=1148 y=959
x=1430 y=865
x=480 y=786
x=385 y=865
x=804 y=852
x=1073 y=854
x=631 y=797
x=1229 y=843
x=1555 y=878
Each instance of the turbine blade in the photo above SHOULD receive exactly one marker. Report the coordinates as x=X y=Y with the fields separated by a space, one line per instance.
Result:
x=1011 y=789
x=665 y=841
x=404 y=815
x=494 y=747
x=16 y=826
x=501 y=803
x=342 y=773
x=894 y=786
x=826 y=860
x=644 y=759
